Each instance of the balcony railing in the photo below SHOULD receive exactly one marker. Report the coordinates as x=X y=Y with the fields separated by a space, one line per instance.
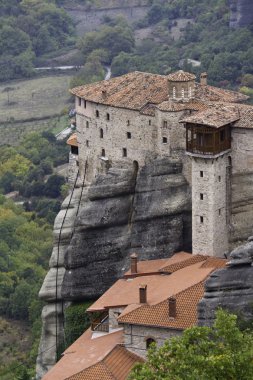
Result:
x=101 y=324
x=194 y=147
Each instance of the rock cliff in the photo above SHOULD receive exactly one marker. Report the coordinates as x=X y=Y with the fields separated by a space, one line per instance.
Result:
x=147 y=211
x=231 y=287
x=241 y=13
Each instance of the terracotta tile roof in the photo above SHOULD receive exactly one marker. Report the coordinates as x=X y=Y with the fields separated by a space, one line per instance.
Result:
x=142 y=91
x=215 y=116
x=158 y=315
x=133 y=90
x=215 y=94
x=72 y=140
x=159 y=287
x=246 y=116
x=214 y=262
x=84 y=353
x=154 y=266
x=181 y=76
x=115 y=366
x=192 y=105
x=173 y=267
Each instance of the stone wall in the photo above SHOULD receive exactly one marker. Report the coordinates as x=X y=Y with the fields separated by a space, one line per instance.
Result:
x=209 y=205
x=135 y=337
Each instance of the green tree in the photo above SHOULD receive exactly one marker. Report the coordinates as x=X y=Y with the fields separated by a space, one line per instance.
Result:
x=202 y=353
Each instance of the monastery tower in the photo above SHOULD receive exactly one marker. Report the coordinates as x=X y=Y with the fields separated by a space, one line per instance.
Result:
x=208 y=143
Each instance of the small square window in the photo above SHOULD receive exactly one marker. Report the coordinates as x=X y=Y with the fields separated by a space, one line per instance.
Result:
x=129 y=136
x=108 y=116
x=165 y=140
x=201 y=196
x=201 y=218
x=201 y=173
x=124 y=152
x=97 y=113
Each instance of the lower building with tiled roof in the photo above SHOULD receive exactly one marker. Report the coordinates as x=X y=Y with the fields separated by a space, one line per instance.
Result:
x=155 y=300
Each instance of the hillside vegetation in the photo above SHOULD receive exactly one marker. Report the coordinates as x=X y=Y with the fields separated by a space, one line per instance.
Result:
x=174 y=32
x=29 y=29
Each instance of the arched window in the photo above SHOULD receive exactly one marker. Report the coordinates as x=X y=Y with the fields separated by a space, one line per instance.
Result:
x=149 y=341
x=103 y=153
x=101 y=133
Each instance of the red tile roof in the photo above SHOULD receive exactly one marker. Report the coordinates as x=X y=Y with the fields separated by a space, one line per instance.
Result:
x=84 y=353
x=115 y=366
x=181 y=76
x=72 y=140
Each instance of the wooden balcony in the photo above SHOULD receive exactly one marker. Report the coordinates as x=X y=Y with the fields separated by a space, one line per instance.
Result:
x=206 y=140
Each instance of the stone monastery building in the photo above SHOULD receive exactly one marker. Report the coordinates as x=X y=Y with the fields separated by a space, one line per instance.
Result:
x=139 y=116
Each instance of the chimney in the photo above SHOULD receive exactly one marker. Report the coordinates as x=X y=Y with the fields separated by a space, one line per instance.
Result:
x=172 y=307
x=134 y=261
x=143 y=293
x=203 y=78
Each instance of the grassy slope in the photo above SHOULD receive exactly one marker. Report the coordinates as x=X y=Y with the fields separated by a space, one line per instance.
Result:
x=34 y=98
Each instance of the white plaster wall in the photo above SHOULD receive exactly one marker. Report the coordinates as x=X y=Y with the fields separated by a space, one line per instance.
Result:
x=135 y=337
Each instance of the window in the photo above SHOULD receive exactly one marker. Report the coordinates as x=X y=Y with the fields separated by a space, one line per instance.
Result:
x=165 y=140
x=124 y=152
x=87 y=124
x=87 y=143
x=108 y=116
x=84 y=103
x=219 y=211
x=129 y=136
x=79 y=101
x=165 y=124
x=222 y=135
x=128 y=122
x=97 y=113
x=101 y=133
x=201 y=196
x=201 y=219
x=103 y=153
x=201 y=173
x=149 y=341
x=219 y=178
x=149 y=122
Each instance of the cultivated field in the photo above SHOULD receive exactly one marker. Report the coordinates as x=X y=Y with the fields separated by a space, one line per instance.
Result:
x=34 y=98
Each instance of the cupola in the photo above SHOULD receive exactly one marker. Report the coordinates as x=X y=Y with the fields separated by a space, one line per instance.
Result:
x=181 y=85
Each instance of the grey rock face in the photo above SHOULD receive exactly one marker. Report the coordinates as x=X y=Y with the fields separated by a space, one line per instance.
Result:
x=241 y=13
x=230 y=288
x=125 y=213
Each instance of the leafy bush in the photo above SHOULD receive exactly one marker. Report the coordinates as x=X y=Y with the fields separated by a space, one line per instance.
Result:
x=76 y=321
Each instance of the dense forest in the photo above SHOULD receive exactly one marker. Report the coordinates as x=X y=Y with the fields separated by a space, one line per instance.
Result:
x=26 y=235
x=29 y=29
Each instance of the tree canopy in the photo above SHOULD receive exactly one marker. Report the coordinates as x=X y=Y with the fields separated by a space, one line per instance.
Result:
x=219 y=352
